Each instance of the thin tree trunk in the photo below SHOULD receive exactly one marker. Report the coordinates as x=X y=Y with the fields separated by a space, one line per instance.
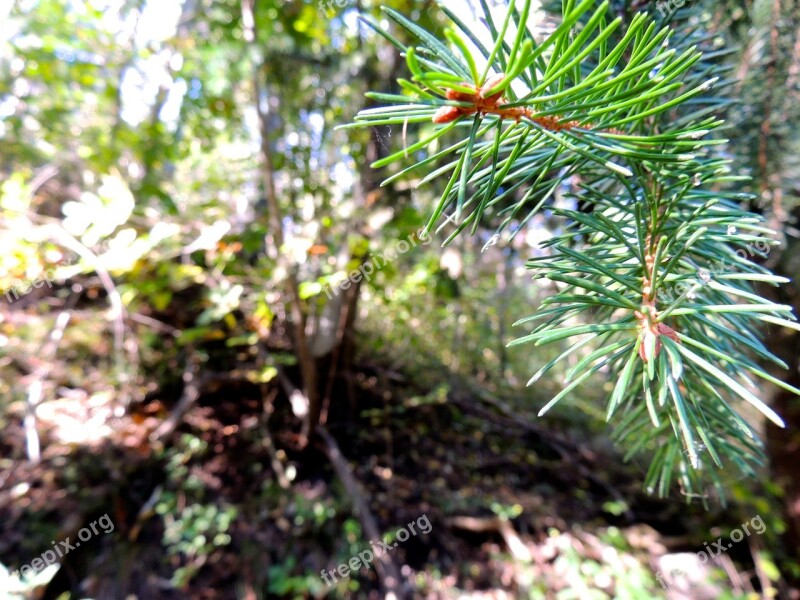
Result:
x=783 y=445
x=294 y=304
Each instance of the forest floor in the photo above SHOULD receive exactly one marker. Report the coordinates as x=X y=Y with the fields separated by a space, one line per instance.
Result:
x=226 y=505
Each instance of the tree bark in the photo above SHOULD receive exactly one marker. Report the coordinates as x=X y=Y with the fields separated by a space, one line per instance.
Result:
x=783 y=445
x=293 y=301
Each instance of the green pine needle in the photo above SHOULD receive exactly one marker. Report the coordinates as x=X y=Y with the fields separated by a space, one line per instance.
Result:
x=653 y=280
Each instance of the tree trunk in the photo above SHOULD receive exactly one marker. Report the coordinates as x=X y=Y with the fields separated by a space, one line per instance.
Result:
x=293 y=301
x=783 y=445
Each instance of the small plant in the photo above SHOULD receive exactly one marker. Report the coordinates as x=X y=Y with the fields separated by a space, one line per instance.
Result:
x=193 y=529
x=615 y=113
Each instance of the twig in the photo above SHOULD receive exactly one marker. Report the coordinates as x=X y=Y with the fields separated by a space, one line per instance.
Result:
x=767 y=590
x=45 y=357
x=194 y=386
x=734 y=575
x=154 y=323
x=191 y=392
x=114 y=298
x=495 y=524
x=43 y=176
x=387 y=570
x=277 y=465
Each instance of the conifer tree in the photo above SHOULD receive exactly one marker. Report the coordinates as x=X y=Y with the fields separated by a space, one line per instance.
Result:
x=656 y=262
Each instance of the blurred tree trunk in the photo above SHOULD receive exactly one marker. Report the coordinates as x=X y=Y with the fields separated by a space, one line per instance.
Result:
x=323 y=343
x=767 y=138
x=778 y=27
x=783 y=445
x=293 y=301
x=367 y=195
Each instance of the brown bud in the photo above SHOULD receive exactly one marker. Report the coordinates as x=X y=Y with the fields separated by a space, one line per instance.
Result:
x=461 y=96
x=446 y=114
x=669 y=332
x=489 y=84
x=643 y=348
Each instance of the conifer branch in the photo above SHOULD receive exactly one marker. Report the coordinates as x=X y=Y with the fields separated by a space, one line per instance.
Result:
x=655 y=273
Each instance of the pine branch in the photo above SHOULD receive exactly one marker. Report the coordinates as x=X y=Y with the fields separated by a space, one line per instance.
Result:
x=655 y=273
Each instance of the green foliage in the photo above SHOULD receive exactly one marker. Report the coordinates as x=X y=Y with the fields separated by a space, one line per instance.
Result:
x=135 y=156
x=193 y=532
x=283 y=582
x=193 y=529
x=654 y=266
